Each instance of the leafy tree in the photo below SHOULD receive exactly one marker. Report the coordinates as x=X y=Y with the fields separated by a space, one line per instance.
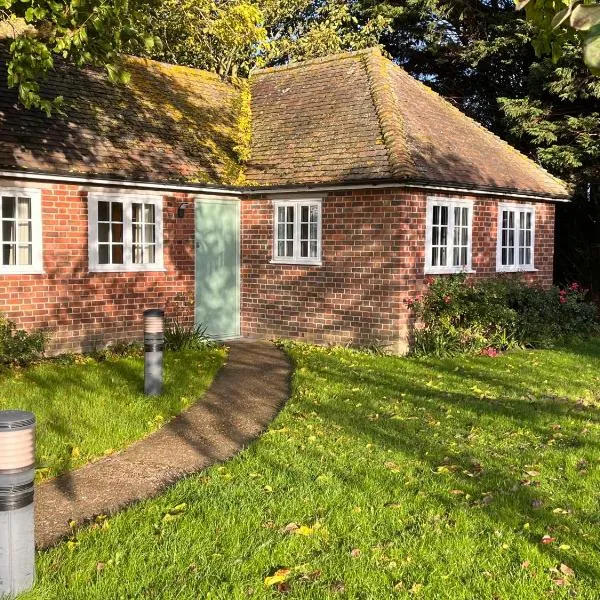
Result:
x=84 y=32
x=231 y=37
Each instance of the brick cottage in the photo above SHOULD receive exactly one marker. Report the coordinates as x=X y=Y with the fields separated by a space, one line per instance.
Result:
x=308 y=202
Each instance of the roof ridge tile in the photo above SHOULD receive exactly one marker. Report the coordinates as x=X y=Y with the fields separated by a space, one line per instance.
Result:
x=389 y=115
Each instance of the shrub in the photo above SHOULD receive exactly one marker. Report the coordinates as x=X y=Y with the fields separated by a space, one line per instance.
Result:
x=457 y=315
x=185 y=337
x=17 y=346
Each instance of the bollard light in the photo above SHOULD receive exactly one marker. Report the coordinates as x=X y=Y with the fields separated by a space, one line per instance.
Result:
x=154 y=344
x=17 y=471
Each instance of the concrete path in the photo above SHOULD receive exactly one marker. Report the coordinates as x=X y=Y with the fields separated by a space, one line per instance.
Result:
x=243 y=399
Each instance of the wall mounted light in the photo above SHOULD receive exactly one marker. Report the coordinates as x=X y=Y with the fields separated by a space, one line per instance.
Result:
x=181 y=210
x=17 y=471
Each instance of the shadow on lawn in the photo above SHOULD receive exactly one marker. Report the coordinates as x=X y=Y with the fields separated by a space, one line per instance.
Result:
x=515 y=412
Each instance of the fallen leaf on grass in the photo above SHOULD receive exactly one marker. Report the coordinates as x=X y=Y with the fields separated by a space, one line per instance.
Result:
x=566 y=570
x=547 y=539
x=456 y=492
x=392 y=466
x=279 y=576
x=304 y=530
x=290 y=528
x=560 y=511
x=355 y=553
x=525 y=564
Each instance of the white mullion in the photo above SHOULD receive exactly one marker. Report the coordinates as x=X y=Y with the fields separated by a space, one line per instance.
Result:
x=127 y=238
x=450 y=237
x=296 y=231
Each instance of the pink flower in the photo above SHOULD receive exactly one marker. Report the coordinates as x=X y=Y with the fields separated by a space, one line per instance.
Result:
x=490 y=351
x=447 y=299
x=562 y=299
x=574 y=286
x=429 y=280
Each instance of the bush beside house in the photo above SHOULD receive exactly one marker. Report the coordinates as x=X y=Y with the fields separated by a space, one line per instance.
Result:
x=459 y=315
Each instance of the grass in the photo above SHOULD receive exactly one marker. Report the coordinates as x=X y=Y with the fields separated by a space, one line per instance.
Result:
x=405 y=477
x=88 y=408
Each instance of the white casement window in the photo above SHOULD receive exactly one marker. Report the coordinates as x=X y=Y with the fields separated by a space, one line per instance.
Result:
x=125 y=233
x=297 y=231
x=20 y=231
x=516 y=237
x=448 y=236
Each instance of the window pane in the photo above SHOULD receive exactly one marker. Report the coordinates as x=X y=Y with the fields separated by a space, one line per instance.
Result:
x=290 y=248
x=136 y=234
x=436 y=215
x=313 y=249
x=25 y=231
x=434 y=257
x=456 y=236
x=528 y=220
x=117 y=211
x=150 y=253
x=149 y=213
x=304 y=249
x=290 y=213
x=457 y=215
x=435 y=236
x=103 y=211
x=304 y=231
x=280 y=214
x=527 y=256
x=304 y=213
x=465 y=216
x=24 y=209
x=511 y=256
x=313 y=230
x=444 y=213
x=103 y=232
x=280 y=231
x=9 y=207
x=463 y=257
x=465 y=236
x=150 y=231
x=137 y=254
x=136 y=212
x=456 y=257
x=9 y=231
x=444 y=236
x=314 y=213
x=281 y=248
x=104 y=254
x=25 y=256
x=117 y=232
x=117 y=254
x=8 y=254
x=504 y=256
x=290 y=231
x=521 y=255
x=443 y=257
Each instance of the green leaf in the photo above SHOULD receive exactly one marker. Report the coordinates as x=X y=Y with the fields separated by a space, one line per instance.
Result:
x=584 y=17
x=591 y=48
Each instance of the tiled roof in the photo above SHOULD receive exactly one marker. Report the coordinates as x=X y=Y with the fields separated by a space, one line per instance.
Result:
x=344 y=119
x=358 y=117
x=170 y=124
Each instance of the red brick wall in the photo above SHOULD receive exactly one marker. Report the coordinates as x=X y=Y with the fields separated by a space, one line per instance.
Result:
x=84 y=310
x=373 y=259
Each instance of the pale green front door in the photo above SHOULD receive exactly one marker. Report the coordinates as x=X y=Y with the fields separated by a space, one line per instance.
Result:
x=218 y=267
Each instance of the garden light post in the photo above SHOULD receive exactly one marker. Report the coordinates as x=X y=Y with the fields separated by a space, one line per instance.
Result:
x=154 y=344
x=17 y=471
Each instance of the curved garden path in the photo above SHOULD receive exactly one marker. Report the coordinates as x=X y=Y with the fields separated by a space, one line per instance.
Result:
x=245 y=396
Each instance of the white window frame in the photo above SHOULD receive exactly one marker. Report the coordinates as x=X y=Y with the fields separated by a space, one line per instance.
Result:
x=37 y=254
x=451 y=203
x=516 y=208
x=297 y=259
x=128 y=265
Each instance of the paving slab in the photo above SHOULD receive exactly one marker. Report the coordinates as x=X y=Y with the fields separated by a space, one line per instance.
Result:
x=245 y=396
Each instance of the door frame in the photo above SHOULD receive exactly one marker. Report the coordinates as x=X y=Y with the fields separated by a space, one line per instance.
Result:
x=221 y=199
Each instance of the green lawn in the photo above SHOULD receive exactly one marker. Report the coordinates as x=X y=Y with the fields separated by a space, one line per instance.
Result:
x=88 y=408
x=405 y=478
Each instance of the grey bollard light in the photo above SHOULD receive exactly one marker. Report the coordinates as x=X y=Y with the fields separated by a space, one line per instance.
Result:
x=154 y=344
x=17 y=472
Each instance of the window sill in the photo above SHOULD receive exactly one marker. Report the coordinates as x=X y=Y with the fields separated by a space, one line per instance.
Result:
x=434 y=271
x=298 y=263
x=121 y=269
x=516 y=270
x=22 y=271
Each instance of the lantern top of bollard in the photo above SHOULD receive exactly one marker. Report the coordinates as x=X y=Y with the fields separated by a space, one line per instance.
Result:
x=154 y=312
x=10 y=420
